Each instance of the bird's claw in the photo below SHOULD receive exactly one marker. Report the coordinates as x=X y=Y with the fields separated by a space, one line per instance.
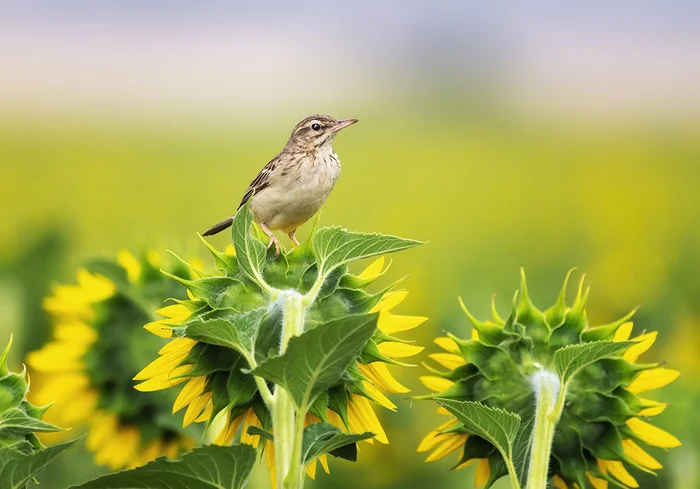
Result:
x=274 y=241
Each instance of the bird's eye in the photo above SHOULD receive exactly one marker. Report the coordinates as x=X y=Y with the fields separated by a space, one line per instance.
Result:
x=316 y=126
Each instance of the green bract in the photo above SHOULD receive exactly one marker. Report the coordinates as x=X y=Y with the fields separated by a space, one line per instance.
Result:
x=518 y=379
x=263 y=341
x=19 y=419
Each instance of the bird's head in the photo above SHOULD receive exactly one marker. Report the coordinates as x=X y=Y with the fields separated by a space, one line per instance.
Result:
x=317 y=131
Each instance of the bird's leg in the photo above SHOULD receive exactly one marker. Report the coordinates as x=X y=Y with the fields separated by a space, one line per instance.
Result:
x=273 y=239
x=293 y=237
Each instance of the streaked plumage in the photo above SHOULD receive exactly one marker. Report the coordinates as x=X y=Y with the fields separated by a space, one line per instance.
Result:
x=293 y=186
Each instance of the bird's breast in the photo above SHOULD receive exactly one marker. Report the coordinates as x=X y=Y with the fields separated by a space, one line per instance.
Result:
x=298 y=194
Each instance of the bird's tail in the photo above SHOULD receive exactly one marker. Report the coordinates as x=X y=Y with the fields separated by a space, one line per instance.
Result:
x=217 y=228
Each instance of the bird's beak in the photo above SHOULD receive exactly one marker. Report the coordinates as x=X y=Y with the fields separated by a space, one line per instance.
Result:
x=343 y=124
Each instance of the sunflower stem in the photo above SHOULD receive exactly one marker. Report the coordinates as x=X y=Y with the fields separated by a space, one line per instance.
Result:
x=287 y=421
x=550 y=402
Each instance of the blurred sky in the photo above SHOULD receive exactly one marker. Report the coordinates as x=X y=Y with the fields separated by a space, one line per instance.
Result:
x=612 y=59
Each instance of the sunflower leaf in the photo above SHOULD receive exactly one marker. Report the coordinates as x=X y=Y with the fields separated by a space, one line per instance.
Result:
x=570 y=360
x=15 y=422
x=317 y=359
x=335 y=246
x=320 y=438
x=18 y=469
x=497 y=426
x=238 y=331
x=210 y=467
x=250 y=252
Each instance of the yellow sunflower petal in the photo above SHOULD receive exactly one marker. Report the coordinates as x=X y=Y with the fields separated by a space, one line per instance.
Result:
x=652 y=435
x=595 y=482
x=195 y=408
x=559 y=483
x=483 y=472
x=380 y=398
x=192 y=389
x=654 y=407
x=230 y=250
x=390 y=300
x=436 y=384
x=623 y=333
x=448 y=360
x=447 y=344
x=373 y=270
x=159 y=329
x=443 y=412
x=378 y=373
x=168 y=361
x=393 y=349
x=434 y=438
x=250 y=419
x=645 y=342
x=129 y=263
x=75 y=332
x=360 y=413
x=394 y=323
x=449 y=444
x=206 y=414
x=653 y=379
x=178 y=345
x=58 y=356
x=618 y=471
x=95 y=287
x=176 y=312
x=163 y=381
x=639 y=456
x=311 y=470
x=324 y=463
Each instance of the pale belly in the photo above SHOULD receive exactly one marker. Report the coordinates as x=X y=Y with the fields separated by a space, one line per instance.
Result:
x=288 y=207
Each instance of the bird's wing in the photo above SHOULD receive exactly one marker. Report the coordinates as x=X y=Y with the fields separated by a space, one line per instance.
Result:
x=260 y=182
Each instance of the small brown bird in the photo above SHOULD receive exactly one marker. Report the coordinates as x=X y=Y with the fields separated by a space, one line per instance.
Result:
x=295 y=184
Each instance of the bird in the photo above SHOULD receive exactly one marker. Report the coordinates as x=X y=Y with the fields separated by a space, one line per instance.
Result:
x=294 y=185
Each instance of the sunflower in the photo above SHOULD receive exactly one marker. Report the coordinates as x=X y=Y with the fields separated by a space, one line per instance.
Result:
x=97 y=345
x=216 y=385
x=604 y=425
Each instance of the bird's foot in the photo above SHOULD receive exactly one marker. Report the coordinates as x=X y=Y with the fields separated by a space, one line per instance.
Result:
x=274 y=241
x=294 y=239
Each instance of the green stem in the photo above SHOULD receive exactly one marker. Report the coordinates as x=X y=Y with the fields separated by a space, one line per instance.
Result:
x=287 y=421
x=550 y=403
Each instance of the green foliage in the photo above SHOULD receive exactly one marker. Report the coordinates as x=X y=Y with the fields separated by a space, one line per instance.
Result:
x=236 y=331
x=18 y=469
x=497 y=426
x=316 y=360
x=19 y=419
x=571 y=359
x=320 y=438
x=236 y=318
x=250 y=252
x=335 y=246
x=498 y=374
x=204 y=468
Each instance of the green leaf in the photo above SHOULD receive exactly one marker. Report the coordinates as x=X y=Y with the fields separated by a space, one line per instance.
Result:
x=573 y=358
x=18 y=469
x=209 y=467
x=250 y=252
x=497 y=426
x=335 y=246
x=317 y=359
x=320 y=438
x=255 y=431
x=17 y=423
x=238 y=331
